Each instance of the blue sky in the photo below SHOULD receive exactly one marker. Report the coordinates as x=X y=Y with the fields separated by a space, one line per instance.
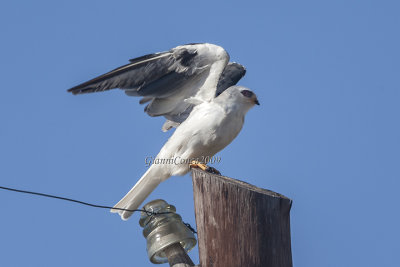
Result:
x=326 y=133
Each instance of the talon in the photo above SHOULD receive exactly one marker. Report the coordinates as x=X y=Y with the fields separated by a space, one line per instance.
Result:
x=204 y=167
x=198 y=164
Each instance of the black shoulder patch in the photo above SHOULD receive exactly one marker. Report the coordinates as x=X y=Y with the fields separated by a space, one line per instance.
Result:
x=186 y=57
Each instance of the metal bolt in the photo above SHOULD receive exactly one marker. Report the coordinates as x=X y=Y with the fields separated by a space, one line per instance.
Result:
x=164 y=229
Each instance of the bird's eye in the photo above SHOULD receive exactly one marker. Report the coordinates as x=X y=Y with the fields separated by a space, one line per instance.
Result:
x=247 y=93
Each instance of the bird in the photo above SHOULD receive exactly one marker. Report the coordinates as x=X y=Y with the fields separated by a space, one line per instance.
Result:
x=194 y=87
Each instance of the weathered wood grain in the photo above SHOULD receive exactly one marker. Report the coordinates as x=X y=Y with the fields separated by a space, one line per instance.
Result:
x=239 y=224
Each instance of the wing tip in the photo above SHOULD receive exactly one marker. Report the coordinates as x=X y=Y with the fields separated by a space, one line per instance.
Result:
x=77 y=90
x=74 y=91
x=240 y=66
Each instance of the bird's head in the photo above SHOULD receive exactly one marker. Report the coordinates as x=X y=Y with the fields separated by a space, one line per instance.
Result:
x=238 y=97
x=243 y=95
x=248 y=96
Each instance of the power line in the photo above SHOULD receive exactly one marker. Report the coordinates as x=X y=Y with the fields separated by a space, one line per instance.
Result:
x=88 y=204
x=76 y=201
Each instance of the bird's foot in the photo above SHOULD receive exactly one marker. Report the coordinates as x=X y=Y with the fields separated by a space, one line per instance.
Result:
x=204 y=167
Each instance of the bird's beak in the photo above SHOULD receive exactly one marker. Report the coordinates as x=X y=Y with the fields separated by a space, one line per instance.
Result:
x=256 y=102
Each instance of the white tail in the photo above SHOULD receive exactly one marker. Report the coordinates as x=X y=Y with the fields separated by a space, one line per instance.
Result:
x=142 y=189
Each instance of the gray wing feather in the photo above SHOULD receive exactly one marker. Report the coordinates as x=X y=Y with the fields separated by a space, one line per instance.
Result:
x=164 y=80
x=232 y=73
x=145 y=74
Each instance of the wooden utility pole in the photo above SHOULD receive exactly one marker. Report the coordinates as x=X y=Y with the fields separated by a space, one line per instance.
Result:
x=239 y=224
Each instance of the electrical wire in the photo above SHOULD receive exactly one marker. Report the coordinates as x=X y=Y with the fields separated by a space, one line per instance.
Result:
x=74 y=200
x=149 y=213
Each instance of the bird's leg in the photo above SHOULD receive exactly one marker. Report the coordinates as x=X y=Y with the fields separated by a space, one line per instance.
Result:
x=204 y=167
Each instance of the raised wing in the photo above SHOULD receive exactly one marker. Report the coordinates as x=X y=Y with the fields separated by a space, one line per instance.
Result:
x=232 y=73
x=167 y=79
x=144 y=73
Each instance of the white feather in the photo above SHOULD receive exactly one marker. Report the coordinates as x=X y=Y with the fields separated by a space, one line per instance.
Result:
x=210 y=127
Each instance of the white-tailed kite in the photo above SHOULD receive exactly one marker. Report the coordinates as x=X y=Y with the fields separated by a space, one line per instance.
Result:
x=193 y=87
